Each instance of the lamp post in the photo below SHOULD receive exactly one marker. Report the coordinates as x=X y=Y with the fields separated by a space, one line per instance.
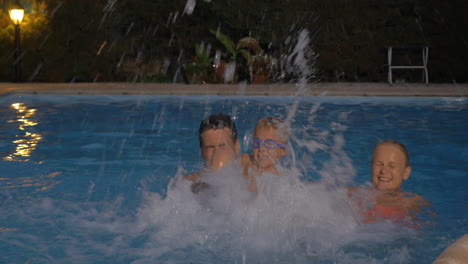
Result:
x=16 y=14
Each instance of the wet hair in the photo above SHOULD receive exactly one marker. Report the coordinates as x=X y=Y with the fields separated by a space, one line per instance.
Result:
x=218 y=121
x=273 y=122
x=399 y=146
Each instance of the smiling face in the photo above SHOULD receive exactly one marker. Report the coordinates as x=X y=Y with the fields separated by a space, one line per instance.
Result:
x=218 y=148
x=389 y=167
x=265 y=158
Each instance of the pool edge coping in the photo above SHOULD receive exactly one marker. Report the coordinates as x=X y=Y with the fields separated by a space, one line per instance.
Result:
x=308 y=90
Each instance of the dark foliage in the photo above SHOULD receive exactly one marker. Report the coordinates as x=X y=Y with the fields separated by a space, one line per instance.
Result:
x=147 y=40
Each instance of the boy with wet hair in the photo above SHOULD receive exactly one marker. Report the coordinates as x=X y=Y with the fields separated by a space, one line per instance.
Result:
x=219 y=146
x=390 y=168
x=218 y=121
x=269 y=146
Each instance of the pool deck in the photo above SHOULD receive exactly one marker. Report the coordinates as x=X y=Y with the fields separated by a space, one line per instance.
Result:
x=316 y=89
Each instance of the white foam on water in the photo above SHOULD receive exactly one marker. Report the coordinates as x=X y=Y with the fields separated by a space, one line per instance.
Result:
x=287 y=218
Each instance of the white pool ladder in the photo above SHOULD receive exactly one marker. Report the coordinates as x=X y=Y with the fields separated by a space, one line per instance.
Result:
x=425 y=54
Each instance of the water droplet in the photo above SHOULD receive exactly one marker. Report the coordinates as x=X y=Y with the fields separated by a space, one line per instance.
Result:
x=190 y=6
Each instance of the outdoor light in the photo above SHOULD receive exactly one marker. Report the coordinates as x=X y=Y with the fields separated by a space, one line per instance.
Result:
x=16 y=14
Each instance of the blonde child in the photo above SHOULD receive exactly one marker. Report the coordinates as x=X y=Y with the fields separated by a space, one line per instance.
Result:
x=269 y=146
x=390 y=168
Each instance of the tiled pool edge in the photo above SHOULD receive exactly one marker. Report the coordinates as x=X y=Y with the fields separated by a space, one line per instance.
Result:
x=317 y=89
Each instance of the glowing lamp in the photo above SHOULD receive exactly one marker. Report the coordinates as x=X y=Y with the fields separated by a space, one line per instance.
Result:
x=16 y=13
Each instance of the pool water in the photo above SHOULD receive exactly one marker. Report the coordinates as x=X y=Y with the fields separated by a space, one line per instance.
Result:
x=96 y=179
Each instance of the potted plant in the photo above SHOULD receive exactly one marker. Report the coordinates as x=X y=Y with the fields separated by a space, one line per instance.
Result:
x=246 y=47
x=200 y=68
x=262 y=67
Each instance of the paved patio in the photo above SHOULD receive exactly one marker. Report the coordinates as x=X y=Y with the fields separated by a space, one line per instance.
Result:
x=318 y=89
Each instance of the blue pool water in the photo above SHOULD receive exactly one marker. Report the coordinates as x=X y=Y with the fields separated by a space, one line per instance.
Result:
x=93 y=179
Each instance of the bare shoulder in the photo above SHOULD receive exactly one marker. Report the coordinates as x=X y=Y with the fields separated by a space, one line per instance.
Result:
x=194 y=177
x=246 y=160
x=415 y=202
x=357 y=192
x=246 y=164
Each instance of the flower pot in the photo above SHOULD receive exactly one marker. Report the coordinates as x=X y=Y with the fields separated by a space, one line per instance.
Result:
x=260 y=79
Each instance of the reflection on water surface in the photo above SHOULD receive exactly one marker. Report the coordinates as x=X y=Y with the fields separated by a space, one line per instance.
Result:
x=25 y=143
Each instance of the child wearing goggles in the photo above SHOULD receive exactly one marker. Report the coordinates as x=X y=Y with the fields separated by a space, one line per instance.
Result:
x=269 y=146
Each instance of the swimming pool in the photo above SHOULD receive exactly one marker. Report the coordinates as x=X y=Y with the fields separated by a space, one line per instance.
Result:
x=90 y=179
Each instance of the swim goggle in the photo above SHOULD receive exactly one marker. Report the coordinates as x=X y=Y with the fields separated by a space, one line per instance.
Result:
x=267 y=143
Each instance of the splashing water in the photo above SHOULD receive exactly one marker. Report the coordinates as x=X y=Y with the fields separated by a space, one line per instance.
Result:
x=300 y=60
x=190 y=6
x=287 y=220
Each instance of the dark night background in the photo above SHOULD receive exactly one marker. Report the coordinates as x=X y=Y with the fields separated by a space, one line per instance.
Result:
x=129 y=40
